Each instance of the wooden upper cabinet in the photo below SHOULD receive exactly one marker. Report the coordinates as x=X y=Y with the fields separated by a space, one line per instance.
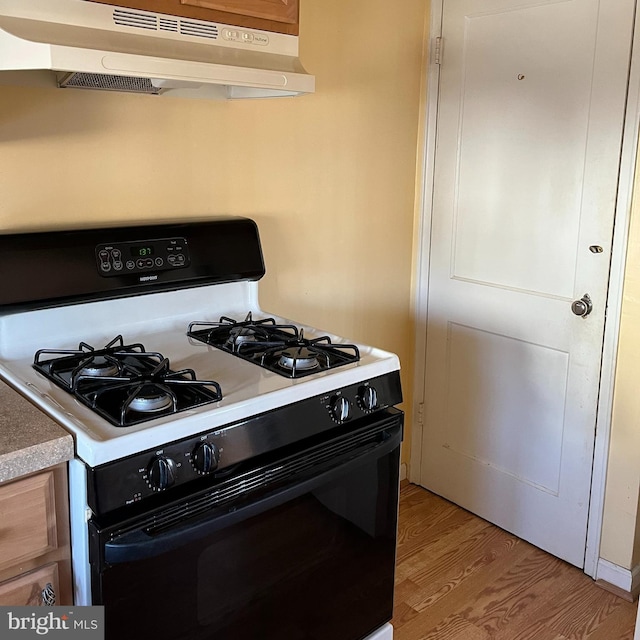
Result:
x=280 y=16
x=278 y=10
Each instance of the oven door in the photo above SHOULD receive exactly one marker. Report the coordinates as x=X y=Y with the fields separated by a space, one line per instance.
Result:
x=300 y=547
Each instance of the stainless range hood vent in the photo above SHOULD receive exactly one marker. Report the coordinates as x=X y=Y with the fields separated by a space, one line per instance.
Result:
x=107 y=83
x=96 y=46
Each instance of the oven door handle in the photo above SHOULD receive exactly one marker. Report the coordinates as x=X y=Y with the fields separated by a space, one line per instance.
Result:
x=139 y=545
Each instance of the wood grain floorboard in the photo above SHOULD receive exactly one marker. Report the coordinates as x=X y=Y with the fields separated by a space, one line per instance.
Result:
x=460 y=578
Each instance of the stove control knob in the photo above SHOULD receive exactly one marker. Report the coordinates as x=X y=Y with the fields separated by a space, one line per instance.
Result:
x=205 y=457
x=340 y=408
x=368 y=398
x=161 y=473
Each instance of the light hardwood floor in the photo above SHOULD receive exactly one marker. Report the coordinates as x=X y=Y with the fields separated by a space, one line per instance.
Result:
x=461 y=578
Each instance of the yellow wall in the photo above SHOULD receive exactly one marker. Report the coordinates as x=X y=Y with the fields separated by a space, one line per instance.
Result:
x=70 y=158
x=621 y=528
x=328 y=177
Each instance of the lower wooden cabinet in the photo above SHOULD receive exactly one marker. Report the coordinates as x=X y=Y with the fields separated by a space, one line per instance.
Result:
x=35 y=567
x=35 y=588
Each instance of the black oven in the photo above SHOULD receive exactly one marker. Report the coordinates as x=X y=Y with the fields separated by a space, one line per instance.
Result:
x=294 y=544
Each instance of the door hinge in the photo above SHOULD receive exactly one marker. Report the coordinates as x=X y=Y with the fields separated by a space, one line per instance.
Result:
x=437 y=50
x=420 y=416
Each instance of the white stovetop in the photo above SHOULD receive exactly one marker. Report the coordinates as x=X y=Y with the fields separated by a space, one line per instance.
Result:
x=154 y=321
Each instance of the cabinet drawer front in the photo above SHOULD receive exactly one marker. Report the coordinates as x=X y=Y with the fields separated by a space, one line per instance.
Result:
x=27 y=589
x=278 y=10
x=27 y=519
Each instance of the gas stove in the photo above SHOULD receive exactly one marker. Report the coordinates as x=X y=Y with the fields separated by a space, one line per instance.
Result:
x=183 y=396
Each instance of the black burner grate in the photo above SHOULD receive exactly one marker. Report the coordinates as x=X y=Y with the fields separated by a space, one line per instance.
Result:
x=125 y=384
x=280 y=348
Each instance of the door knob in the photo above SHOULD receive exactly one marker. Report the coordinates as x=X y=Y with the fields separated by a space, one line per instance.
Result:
x=583 y=306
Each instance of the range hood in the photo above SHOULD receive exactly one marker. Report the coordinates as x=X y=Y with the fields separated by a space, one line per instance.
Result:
x=97 y=46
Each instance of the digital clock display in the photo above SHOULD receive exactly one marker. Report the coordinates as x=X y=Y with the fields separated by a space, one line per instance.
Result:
x=142 y=252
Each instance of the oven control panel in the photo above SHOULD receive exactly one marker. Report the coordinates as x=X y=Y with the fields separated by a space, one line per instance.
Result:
x=343 y=407
x=142 y=257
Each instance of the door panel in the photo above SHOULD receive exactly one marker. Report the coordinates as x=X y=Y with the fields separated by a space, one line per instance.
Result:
x=529 y=131
x=523 y=126
x=488 y=366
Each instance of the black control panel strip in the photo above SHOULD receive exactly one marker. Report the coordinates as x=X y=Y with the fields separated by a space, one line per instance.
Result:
x=64 y=267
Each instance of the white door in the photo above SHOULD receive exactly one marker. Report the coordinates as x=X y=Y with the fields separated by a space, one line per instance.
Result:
x=530 y=116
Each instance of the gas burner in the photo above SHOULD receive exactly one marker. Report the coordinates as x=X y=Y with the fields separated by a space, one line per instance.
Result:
x=280 y=348
x=151 y=399
x=125 y=384
x=100 y=366
x=230 y=335
x=298 y=359
x=67 y=367
x=239 y=336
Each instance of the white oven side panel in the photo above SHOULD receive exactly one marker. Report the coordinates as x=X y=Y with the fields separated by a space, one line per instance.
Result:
x=383 y=633
x=79 y=511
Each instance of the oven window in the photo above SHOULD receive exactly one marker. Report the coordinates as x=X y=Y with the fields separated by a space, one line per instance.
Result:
x=317 y=566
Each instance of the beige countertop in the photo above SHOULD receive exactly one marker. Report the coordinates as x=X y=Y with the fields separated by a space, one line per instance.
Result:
x=29 y=439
